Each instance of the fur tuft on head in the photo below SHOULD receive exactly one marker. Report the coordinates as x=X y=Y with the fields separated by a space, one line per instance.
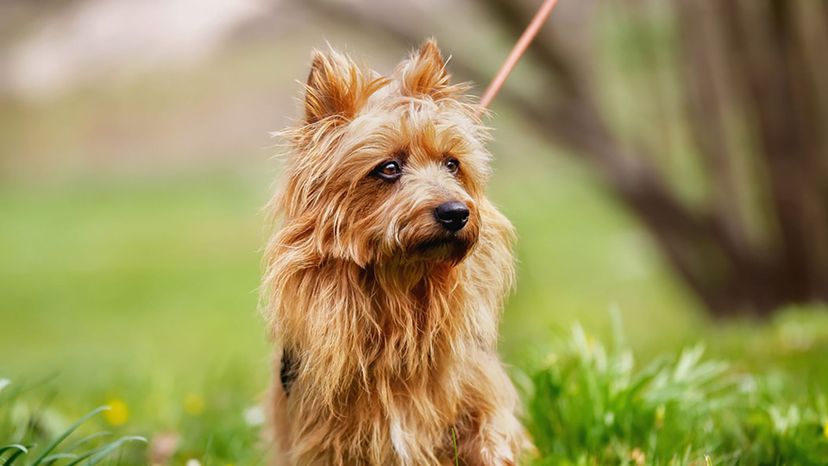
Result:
x=336 y=87
x=424 y=74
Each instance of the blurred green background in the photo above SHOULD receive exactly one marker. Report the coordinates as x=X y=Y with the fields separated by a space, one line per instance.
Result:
x=135 y=161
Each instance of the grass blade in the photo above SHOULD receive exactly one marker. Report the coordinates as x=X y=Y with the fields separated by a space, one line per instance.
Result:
x=13 y=446
x=67 y=433
x=82 y=457
x=58 y=456
x=87 y=439
x=454 y=442
x=21 y=450
x=101 y=454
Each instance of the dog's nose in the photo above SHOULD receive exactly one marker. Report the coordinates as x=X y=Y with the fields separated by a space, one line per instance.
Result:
x=452 y=215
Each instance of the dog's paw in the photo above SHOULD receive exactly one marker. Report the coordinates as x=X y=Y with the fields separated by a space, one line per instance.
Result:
x=507 y=445
x=494 y=448
x=499 y=454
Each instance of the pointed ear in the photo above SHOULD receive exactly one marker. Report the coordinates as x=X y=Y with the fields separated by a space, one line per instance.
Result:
x=424 y=73
x=336 y=87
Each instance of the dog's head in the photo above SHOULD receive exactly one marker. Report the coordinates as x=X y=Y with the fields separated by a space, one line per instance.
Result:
x=385 y=168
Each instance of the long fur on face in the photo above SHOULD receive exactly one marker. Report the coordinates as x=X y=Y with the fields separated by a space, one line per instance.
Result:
x=386 y=323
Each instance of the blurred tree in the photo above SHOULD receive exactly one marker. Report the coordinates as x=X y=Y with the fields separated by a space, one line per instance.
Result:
x=741 y=85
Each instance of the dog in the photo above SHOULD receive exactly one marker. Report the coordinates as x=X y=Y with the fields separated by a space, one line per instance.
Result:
x=385 y=280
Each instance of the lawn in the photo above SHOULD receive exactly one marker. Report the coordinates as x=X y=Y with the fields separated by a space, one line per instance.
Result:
x=142 y=293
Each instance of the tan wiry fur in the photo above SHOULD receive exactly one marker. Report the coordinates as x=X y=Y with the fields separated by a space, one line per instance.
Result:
x=392 y=321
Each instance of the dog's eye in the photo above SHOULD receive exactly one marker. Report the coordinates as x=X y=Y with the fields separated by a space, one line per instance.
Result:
x=388 y=171
x=453 y=165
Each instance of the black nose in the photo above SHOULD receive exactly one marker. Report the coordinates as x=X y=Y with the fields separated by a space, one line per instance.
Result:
x=452 y=215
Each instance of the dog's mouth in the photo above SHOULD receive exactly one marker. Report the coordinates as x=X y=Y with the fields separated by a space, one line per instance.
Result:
x=451 y=248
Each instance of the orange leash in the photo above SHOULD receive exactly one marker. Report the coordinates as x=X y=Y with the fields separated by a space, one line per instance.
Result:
x=519 y=49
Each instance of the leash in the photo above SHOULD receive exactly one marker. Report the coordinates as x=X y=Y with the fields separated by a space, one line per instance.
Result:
x=519 y=49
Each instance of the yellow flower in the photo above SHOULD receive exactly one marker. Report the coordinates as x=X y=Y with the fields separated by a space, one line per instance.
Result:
x=659 y=416
x=825 y=430
x=194 y=404
x=118 y=413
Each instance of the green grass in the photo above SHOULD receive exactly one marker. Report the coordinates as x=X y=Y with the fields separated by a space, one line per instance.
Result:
x=144 y=292
x=593 y=405
x=141 y=292
x=37 y=445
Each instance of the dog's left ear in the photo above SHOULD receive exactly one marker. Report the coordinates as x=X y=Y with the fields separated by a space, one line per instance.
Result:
x=424 y=73
x=337 y=88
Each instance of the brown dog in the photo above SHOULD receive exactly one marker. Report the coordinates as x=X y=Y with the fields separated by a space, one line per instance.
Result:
x=385 y=280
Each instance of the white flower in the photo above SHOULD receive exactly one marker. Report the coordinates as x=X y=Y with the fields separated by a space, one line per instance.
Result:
x=4 y=383
x=193 y=462
x=254 y=416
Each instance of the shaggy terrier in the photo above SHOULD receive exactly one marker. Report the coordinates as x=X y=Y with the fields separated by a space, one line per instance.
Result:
x=386 y=278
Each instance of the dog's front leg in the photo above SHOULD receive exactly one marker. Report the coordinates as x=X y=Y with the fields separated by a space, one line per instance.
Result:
x=497 y=441
x=488 y=432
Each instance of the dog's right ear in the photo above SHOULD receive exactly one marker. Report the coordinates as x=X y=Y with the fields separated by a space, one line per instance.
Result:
x=424 y=73
x=336 y=88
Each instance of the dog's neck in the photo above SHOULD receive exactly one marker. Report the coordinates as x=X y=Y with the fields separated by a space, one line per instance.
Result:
x=377 y=324
x=413 y=301
x=418 y=307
